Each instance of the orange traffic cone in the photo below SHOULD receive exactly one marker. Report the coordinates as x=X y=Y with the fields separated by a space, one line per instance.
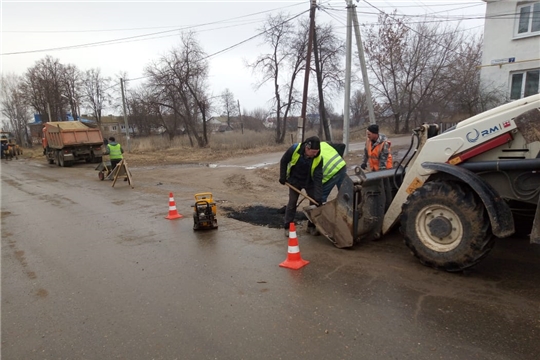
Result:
x=173 y=213
x=294 y=260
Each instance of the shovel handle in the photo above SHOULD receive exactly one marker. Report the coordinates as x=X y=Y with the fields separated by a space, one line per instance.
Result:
x=298 y=191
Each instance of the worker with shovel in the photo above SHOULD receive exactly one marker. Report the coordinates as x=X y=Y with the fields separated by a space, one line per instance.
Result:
x=301 y=168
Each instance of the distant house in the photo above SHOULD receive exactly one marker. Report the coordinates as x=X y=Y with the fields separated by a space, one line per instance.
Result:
x=511 y=53
x=225 y=127
x=213 y=124
x=115 y=125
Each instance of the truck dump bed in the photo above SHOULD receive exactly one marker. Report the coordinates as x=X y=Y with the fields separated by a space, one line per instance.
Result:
x=71 y=133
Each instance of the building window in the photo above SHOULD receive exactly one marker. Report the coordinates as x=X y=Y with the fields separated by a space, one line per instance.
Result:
x=113 y=128
x=528 y=22
x=524 y=84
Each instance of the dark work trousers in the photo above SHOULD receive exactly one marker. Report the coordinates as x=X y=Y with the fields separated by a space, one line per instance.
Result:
x=336 y=180
x=290 y=212
x=114 y=163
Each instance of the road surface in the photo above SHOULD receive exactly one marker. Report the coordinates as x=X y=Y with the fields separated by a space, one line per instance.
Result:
x=91 y=271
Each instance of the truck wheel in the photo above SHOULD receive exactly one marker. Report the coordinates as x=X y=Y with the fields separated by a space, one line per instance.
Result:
x=61 y=161
x=446 y=226
x=58 y=158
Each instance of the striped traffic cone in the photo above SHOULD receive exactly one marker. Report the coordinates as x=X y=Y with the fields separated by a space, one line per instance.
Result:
x=173 y=213
x=294 y=259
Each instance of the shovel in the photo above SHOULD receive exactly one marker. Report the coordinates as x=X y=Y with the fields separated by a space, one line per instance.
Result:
x=299 y=192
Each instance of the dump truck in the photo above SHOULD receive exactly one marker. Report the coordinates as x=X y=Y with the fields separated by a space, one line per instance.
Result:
x=66 y=142
x=452 y=194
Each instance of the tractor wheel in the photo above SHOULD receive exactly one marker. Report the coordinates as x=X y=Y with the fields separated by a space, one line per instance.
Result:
x=446 y=226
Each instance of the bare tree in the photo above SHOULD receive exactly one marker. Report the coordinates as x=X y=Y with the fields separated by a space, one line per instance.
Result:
x=281 y=66
x=258 y=113
x=409 y=64
x=331 y=55
x=229 y=105
x=43 y=88
x=463 y=95
x=96 y=95
x=14 y=107
x=254 y=119
x=328 y=51
x=359 y=108
x=178 y=82
x=72 y=84
x=142 y=112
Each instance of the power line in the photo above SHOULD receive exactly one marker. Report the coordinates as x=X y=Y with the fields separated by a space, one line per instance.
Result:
x=237 y=44
x=116 y=41
x=420 y=34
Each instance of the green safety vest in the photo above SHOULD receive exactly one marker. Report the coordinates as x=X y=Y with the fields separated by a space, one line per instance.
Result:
x=332 y=162
x=296 y=156
x=115 y=151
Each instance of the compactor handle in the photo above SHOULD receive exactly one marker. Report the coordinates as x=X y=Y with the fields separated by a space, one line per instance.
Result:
x=203 y=196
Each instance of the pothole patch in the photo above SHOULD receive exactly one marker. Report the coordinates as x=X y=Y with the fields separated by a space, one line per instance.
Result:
x=260 y=215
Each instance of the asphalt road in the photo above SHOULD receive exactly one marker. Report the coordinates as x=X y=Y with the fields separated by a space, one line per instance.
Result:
x=95 y=272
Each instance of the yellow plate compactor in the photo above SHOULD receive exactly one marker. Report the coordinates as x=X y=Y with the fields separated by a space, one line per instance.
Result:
x=204 y=212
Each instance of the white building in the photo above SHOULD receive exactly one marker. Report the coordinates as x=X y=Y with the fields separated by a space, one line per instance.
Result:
x=511 y=54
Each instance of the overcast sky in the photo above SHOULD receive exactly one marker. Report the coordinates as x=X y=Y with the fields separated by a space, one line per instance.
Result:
x=74 y=32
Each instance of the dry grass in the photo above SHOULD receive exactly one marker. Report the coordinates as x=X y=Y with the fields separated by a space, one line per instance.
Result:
x=156 y=150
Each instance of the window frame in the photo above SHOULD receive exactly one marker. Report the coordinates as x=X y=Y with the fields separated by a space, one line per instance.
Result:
x=532 y=12
x=524 y=80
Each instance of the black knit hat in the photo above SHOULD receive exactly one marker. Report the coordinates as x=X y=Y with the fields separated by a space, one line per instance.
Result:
x=313 y=143
x=373 y=128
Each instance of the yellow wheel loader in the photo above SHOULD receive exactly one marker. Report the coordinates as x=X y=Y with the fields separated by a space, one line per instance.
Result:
x=452 y=193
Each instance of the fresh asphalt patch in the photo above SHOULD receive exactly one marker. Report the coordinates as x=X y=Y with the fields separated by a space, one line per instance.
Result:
x=260 y=215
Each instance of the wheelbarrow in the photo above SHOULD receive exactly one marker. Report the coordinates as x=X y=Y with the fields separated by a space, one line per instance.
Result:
x=105 y=169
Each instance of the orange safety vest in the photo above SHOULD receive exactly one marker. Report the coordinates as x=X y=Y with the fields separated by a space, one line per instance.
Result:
x=374 y=153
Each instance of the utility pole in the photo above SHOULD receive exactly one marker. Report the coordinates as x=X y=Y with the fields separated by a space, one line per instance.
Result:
x=125 y=114
x=347 y=110
x=302 y=128
x=367 y=90
x=240 y=115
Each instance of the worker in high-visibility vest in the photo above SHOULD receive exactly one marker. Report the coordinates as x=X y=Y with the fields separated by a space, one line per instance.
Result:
x=377 y=152
x=301 y=167
x=115 y=151
x=334 y=167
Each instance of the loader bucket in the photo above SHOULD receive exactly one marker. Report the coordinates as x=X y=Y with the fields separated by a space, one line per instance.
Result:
x=357 y=213
x=335 y=219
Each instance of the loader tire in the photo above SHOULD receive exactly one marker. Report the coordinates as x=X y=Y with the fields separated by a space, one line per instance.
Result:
x=446 y=226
